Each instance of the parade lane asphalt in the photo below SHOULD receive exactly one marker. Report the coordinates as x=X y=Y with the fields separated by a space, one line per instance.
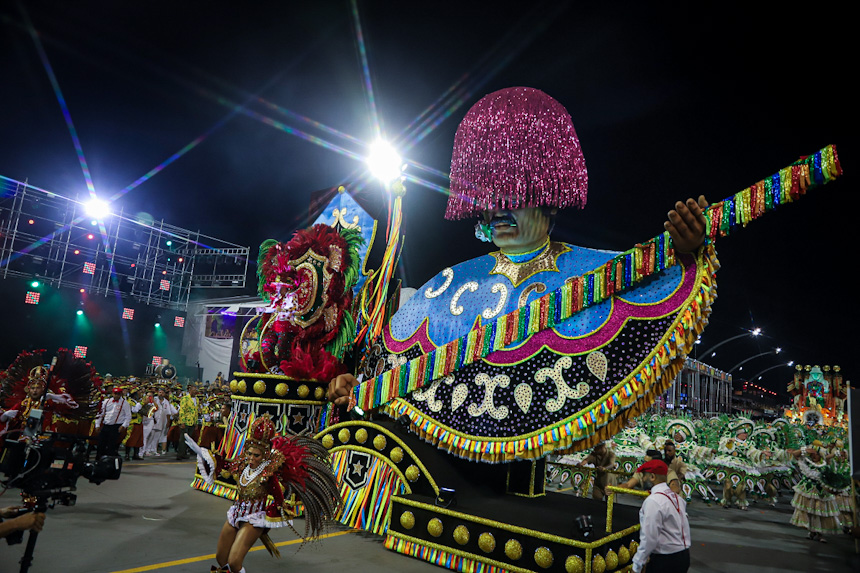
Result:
x=151 y=520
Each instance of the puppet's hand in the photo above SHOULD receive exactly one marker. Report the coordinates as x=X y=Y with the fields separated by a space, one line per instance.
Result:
x=340 y=389
x=687 y=224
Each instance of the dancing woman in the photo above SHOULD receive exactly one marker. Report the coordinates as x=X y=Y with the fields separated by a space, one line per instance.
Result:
x=815 y=507
x=276 y=466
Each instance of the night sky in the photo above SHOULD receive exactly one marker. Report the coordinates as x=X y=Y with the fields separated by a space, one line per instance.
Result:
x=669 y=101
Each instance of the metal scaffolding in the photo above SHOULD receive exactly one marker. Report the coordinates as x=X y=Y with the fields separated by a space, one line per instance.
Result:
x=50 y=238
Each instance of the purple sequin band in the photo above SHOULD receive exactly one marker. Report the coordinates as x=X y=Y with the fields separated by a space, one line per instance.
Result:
x=516 y=148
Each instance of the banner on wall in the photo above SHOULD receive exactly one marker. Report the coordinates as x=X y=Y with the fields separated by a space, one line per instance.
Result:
x=220 y=326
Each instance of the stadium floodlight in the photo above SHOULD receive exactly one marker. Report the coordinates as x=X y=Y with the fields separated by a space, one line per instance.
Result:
x=97 y=208
x=384 y=162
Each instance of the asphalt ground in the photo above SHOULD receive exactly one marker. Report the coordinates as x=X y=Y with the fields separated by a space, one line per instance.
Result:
x=151 y=520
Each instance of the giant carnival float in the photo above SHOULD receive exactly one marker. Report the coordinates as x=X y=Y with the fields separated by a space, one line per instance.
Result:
x=494 y=365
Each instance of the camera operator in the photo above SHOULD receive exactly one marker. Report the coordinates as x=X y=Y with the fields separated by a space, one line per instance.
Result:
x=10 y=521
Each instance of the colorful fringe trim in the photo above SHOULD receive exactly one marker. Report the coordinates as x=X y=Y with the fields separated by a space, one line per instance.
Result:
x=600 y=420
x=369 y=507
x=216 y=488
x=440 y=557
x=233 y=440
x=620 y=273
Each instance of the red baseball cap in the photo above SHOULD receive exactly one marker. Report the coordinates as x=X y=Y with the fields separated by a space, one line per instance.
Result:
x=658 y=467
x=117 y=390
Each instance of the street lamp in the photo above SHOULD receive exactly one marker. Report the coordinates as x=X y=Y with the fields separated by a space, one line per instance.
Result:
x=741 y=363
x=754 y=332
x=757 y=376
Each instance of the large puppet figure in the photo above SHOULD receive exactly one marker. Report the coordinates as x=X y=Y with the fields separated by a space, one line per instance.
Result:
x=516 y=160
x=551 y=384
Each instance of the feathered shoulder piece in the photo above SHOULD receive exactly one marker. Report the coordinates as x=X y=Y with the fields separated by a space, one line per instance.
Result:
x=303 y=466
x=60 y=374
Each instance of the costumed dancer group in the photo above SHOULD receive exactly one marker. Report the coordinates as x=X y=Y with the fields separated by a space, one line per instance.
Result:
x=745 y=459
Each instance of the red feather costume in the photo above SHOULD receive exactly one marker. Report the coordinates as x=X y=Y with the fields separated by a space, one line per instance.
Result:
x=63 y=386
x=290 y=466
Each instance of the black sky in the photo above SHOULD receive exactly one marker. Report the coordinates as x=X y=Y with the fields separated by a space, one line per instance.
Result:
x=669 y=100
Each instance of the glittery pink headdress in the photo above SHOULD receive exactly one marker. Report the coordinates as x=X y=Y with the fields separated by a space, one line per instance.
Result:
x=516 y=148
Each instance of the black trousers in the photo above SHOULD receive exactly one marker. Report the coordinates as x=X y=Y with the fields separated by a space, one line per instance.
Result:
x=108 y=440
x=182 y=449
x=669 y=563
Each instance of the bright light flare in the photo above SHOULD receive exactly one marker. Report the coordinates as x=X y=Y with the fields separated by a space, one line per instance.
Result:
x=97 y=208
x=384 y=162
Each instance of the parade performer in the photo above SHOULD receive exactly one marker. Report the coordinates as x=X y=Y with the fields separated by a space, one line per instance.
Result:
x=814 y=502
x=210 y=433
x=112 y=423
x=133 y=441
x=150 y=432
x=189 y=415
x=62 y=385
x=285 y=468
x=602 y=459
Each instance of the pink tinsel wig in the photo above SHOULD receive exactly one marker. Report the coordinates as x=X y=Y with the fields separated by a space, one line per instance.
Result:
x=516 y=148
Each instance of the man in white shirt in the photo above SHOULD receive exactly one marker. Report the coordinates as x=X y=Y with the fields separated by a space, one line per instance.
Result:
x=161 y=420
x=114 y=418
x=664 y=533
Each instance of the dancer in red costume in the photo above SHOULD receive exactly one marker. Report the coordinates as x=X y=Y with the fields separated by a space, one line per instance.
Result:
x=276 y=466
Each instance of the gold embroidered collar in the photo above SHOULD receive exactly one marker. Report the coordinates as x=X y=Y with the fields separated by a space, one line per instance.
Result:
x=517 y=273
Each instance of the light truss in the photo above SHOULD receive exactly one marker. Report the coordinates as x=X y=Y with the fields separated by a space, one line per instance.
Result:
x=47 y=237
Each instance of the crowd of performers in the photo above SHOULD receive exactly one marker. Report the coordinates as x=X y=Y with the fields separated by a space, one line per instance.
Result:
x=139 y=417
x=743 y=459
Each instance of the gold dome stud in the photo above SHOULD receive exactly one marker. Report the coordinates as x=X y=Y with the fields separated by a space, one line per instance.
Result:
x=259 y=387
x=412 y=473
x=234 y=385
x=281 y=389
x=361 y=435
x=543 y=557
x=461 y=534
x=327 y=441
x=319 y=393
x=486 y=542
x=343 y=435
x=407 y=520
x=379 y=442
x=242 y=387
x=513 y=549
x=574 y=564
x=598 y=565
x=397 y=455
x=611 y=560
x=434 y=527
x=304 y=391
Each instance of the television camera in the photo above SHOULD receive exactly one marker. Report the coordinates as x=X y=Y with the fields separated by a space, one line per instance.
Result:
x=46 y=466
